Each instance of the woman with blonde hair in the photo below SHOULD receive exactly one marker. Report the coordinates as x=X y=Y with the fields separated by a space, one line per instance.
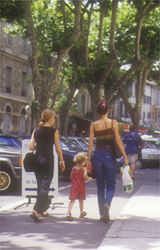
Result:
x=43 y=138
x=106 y=134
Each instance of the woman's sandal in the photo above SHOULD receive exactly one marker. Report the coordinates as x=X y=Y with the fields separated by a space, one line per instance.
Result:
x=36 y=217
x=44 y=214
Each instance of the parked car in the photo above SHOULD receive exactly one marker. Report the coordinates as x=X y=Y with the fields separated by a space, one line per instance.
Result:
x=10 y=162
x=150 y=153
x=82 y=142
x=70 y=146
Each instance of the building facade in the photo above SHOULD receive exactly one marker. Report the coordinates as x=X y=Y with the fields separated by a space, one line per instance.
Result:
x=150 y=113
x=16 y=91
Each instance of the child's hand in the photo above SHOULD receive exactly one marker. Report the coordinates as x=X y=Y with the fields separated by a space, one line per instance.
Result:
x=88 y=178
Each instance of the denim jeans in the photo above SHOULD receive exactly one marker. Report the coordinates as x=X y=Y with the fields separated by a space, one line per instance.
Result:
x=104 y=165
x=43 y=184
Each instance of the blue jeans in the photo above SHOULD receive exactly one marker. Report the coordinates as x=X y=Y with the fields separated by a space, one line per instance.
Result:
x=104 y=165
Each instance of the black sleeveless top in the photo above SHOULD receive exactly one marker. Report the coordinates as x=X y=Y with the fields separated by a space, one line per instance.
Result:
x=44 y=137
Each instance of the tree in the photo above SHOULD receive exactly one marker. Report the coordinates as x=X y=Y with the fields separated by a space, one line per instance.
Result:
x=145 y=32
x=92 y=61
x=52 y=28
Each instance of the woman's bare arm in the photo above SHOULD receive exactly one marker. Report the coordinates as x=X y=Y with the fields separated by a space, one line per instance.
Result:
x=91 y=141
x=59 y=150
x=32 y=143
x=119 y=142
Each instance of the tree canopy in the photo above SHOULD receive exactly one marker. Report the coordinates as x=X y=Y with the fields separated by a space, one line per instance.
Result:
x=86 y=44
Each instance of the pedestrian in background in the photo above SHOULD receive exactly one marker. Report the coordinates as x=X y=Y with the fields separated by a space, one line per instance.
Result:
x=42 y=141
x=133 y=144
x=106 y=133
x=78 y=178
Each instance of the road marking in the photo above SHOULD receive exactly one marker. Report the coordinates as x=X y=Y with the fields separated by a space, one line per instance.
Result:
x=64 y=187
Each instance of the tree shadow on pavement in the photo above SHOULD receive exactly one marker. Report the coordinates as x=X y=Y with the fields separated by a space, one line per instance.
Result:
x=18 y=231
x=133 y=233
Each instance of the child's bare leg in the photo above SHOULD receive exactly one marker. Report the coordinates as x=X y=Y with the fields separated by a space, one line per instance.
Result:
x=81 y=207
x=70 y=206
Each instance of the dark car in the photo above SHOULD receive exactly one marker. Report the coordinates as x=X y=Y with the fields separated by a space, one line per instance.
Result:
x=10 y=162
x=70 y=147
x=82 y=142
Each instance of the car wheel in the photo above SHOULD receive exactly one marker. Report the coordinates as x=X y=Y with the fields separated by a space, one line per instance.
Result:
x=5 y=181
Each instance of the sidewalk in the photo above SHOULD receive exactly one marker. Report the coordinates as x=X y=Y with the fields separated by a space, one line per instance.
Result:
x=138 y=226
x=11 y=202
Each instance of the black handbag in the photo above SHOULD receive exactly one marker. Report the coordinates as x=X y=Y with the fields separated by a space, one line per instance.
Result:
x=30 y=162
x=41 y=161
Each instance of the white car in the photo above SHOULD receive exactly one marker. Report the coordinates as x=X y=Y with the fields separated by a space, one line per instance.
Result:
x=150 y=153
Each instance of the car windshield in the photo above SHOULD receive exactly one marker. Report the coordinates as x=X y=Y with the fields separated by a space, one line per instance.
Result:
x=9 y=142
x=64 y=146
x=82 y=142
x=71 y=144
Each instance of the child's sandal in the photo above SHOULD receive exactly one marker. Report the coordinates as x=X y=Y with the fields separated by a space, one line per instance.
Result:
x=69 y=217
x=83 y=214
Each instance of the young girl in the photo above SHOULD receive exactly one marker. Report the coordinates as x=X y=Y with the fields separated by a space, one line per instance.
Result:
x=78 y=178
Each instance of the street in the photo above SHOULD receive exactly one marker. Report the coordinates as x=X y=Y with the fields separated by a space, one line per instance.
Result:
x=19 y=232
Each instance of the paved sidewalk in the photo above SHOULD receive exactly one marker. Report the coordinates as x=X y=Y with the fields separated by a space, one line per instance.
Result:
x=136 y=223
x=138 y=226
x=11 y=202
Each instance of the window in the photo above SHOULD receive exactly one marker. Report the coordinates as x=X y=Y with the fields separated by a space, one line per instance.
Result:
x=6 y=125
x=8 y=109
x=24 y=80
x=8 y=79
x=147 y=99
x=149 y=115
x=143 y=115
x=22 y=122
x=130 y=92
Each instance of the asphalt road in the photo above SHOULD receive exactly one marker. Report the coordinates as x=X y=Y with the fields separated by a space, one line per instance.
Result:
x=19 y=232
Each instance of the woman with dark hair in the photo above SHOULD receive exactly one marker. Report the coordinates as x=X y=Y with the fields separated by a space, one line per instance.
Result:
x=43 y=138
x=106 y=133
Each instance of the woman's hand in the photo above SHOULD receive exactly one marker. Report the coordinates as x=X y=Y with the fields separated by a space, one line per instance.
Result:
x=126 y=162
x=62 y=166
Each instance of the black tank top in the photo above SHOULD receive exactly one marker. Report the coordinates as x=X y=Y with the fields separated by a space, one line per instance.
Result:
x=44 y=137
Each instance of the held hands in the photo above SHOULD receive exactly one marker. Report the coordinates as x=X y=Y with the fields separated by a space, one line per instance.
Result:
x=126 y=162
x=62 y=165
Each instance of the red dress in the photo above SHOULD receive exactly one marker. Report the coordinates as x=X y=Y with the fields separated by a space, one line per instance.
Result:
x=77 y=184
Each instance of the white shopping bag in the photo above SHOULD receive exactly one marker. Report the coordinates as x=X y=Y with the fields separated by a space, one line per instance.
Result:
x=127 y=181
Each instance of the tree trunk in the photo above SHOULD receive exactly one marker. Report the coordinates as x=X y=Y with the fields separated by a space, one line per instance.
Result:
x=64 y=114
x=139 y=88
x=95 y=97
x=65 y=51
x=36 y=78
